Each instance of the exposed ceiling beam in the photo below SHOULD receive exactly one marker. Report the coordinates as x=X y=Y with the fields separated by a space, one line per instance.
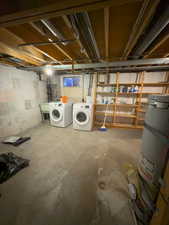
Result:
x=153 y=33
x=69 y=25
x=91 y=33
x=145 y=15
x=8 y=63
x=106 y=24
x=34 y=56
x=156 y=46
x=41 y=43
x=12 y=40
x=58 y=9
x=52 y=29
x=63 y=51
x=135 y=27
x=38 y=29
x=138 y=62
x=43 y=34
x=49 y=56
x=17 y=54
x=82 y=25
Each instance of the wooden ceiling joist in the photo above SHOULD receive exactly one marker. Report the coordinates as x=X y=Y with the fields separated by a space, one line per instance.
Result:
x=118 y=26
x=64 y=52
x=58 y=9
x=156 y=46
x=11 y=40
x=54 y=44
x=144 y=17
x=106 y=21
x=67 y=22
x=29 y=34
x=48 y=56
x=17 y=54
x=8 y=63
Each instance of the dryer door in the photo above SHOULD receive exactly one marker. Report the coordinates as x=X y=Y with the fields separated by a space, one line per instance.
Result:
x=56 y=114
x=81 y=117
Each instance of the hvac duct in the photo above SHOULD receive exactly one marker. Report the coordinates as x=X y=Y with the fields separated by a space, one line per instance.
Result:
x=152 y=34
x=119 y=66
x=83 y=28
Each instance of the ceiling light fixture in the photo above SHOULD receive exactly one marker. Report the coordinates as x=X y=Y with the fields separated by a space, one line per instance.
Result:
x=48 y=70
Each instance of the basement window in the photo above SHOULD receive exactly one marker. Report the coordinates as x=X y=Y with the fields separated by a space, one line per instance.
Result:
x=71 y=81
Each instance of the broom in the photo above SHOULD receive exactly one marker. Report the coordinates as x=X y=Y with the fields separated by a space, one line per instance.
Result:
x=103 y=127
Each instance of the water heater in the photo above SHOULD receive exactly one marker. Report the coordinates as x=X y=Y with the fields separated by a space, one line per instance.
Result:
x=155 y=141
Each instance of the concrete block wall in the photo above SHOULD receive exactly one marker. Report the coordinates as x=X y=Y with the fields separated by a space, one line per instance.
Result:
x=20 y=95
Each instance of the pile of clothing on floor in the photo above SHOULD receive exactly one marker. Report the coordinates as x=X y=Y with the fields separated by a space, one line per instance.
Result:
x=10 y=164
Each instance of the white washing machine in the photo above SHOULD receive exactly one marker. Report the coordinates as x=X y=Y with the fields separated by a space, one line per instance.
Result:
x=61 y=113
x=83 y=116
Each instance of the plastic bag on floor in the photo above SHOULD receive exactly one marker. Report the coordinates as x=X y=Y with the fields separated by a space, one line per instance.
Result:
x=15 y=140
x=10 y=164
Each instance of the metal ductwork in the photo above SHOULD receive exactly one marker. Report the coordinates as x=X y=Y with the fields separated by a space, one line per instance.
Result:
x=53 y=30
x=119 y=65
x=113 y=70
x=10 y=58
x=136 y=69
x=121 y=70
x=46 y=43
x=83 y=28
x=152 y=33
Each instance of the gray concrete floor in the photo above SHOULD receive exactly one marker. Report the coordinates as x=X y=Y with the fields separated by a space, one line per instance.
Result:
x=61 y=184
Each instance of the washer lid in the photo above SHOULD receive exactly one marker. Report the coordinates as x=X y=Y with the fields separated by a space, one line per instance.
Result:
x=56 y=114
x=82 y=117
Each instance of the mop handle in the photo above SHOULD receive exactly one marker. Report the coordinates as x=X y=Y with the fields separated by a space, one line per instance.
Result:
x=105 y=116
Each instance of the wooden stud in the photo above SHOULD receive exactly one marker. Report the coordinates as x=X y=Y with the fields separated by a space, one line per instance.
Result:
x=146 y=13
x=49 y=56
x=139 y=97
x=17 y=54
x=67 y=22
x=165 y=89
x=159 y=43
x=106 y=25
x=12 y=41
x=60 y=8
x=54 y=44
x=63 y=51
x=94 y=91
x=73 y=67
x=116 y=96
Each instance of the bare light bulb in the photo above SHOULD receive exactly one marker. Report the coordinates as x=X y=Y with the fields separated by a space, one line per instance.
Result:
x=48 y=70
